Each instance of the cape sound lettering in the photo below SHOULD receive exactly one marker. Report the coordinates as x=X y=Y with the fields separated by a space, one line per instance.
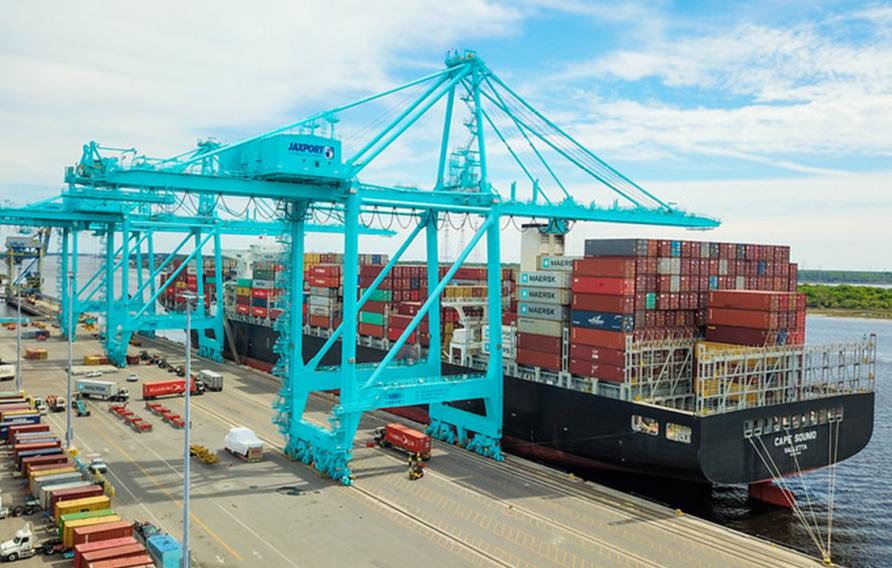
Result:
x=798 y=439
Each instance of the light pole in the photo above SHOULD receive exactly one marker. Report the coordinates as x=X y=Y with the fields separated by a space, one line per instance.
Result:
x=18 y=337
x=187 y=430
x=69 y=430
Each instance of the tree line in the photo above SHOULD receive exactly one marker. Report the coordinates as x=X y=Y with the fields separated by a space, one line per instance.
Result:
x=845 y=276
x=847 y=297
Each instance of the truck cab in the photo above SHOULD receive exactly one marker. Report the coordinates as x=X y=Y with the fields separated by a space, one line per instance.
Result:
x=21 y=546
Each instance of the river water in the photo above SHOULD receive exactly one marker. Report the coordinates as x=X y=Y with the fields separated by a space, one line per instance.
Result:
x=862 y=515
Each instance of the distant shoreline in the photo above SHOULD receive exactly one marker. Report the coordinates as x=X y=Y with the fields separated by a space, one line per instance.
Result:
x=850 y=313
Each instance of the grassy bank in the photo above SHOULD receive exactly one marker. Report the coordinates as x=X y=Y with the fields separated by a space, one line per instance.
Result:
x=849 y=301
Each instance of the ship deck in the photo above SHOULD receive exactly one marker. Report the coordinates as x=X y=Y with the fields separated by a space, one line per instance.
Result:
x=467 y=510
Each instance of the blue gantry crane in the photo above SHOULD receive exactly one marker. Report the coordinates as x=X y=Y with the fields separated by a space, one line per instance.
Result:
x=303 y=168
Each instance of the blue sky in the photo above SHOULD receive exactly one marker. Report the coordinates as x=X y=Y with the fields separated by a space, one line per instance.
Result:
x=775 y=117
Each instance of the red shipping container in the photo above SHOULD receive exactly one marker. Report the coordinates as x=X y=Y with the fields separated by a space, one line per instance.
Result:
x=324 y=281
x=598 y=338
x=604 y=356
x=371 y=270
x=408 y=439
x=742 y=318
x=73 y=493
x=17 y=449
x=371 y=330
x=319 y=321
x=260 y=293
x=93 y=557
x=243 y=308
x=326 y=270
x=740 y=335
x=258 y=311
x=541 y=343
x=104 y=531
x=550 y=361
x=26 y=428
x=141 y=561
x=43 y=460
x=614 y=286
x=617 y=267
x=374 y=307
x=31 y=468
x=394 y=333
x=85 y=547
x=509 y=318
x=604 y=303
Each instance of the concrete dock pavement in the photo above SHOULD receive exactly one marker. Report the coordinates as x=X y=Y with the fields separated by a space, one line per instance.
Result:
x=467 y=510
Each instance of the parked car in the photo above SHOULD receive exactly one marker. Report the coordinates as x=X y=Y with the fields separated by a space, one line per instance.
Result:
x=98 y=465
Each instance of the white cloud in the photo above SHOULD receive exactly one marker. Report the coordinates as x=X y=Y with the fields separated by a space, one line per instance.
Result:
x=798 y=90
x=159 y=75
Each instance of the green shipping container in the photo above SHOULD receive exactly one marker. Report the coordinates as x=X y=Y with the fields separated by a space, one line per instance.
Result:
x=372 y=318
x=650 y=301
x=380 y=296
x=85 y=515
x=243 y=283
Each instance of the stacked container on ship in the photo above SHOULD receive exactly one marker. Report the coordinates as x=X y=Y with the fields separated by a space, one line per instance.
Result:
x=681 y=359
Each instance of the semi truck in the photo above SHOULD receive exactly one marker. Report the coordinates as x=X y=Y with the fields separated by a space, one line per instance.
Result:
x=173 y=387
x=104 y=390
x=212 y=380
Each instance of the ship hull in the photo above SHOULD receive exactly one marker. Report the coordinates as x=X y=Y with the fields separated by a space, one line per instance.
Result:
x=577 y=430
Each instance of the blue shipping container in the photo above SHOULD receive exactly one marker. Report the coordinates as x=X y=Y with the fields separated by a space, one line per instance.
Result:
x=164 y=550
x=18 y=421
x=602 y=320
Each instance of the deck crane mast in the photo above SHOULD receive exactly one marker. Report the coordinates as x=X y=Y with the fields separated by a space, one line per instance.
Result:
x=302 y=171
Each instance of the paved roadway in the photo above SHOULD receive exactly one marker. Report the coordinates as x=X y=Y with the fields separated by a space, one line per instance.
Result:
x=467 y=510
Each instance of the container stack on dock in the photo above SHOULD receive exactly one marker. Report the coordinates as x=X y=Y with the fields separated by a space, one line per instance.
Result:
x=77 y=505
x=325 y=288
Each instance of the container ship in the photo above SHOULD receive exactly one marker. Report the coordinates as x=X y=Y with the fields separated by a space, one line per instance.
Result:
x=678 y=359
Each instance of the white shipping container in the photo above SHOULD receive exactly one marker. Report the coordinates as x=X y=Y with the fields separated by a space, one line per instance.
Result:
x=540 y=327
x=546 y=279
x=556 y=263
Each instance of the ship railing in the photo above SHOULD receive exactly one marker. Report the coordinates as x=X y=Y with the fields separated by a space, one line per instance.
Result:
x=730 y=379
x=660 y=370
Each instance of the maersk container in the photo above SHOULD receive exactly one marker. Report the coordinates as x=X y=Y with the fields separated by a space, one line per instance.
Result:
x=554 y=312
x=545 y=279
x=545 y=295
x=164 y=550
x=556 y=263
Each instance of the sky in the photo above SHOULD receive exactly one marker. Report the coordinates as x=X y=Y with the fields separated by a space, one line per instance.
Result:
x=774 y=117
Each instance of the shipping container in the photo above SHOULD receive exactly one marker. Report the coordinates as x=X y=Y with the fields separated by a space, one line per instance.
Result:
x=744 y=336
x=407 y=439
x=616 y=267
x=544 y=295
x=602 y=320
x=90 y=558
x=80 y=505
x=556 y=263
x=542 y=343
x=598 y=338
x=85 y=547
x=606 y=303
x=619 y=247
x=106 y=531
x=597 y=371
x=69 y=527
x=553 y=312
x=140 y=561
x=15 y=424
x=743 y=318
x=545 y=279
x=540 y=326
x=61 y=492
x=164 y=388
x=603 y=355
x=38 y=478
x=551 y=361
x=611 y=286
x=42 y=460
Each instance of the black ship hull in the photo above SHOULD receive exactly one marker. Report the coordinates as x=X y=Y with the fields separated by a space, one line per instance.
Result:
x=575 y=429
